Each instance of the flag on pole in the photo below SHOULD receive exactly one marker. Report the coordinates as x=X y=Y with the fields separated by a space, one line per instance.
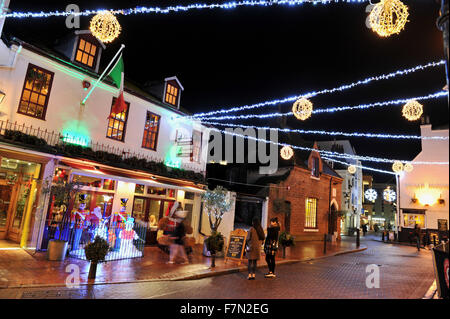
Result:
x=117 y=75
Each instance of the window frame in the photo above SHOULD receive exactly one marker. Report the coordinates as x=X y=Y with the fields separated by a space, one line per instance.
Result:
x=47 y=96
x=124 y=123
x=85 y=39
x=156 y=135
x=175 y=96
x=306 y=226
x=315 y=171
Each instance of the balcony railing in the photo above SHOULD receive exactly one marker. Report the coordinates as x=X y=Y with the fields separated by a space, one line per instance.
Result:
x=12 y=130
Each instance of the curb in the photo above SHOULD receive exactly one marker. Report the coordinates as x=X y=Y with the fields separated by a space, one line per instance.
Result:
x=186 y=277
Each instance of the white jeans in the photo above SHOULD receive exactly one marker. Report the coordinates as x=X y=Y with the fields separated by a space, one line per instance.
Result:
x=177 y=250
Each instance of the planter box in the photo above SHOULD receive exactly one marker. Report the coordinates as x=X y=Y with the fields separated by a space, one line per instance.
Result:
x=57 y=249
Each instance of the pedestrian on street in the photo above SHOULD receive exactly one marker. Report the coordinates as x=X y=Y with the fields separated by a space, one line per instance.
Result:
x=177 y=247
x=254 y=241
x=271 y=246
x=416 y=235
x=364 y=229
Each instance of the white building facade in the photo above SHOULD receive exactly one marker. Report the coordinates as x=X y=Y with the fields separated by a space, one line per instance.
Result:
x=149 y=154
x=424 y=191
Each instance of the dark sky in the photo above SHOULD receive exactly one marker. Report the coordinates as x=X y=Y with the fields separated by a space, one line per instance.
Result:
x=227 y=58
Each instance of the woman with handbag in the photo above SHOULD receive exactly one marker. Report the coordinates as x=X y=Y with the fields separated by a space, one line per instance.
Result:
x=271 y=246
x=254 y=240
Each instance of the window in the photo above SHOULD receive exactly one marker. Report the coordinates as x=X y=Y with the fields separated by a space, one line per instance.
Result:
x=311 y=213
x=196 y=146
x=36 y=91
x=151 y=130
x=86 y=53
x=171 y=94
x=117 y=123
x=411 y=219
x=139 y=189
x=315 y=167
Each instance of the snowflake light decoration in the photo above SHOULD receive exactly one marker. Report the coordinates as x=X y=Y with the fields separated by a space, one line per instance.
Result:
x=286 y=152
x=302 y=109
x=105 y=27
x=351 y=169
x=412 y=110
x=371 y=194
x=388 y=17
x=397 y=166
x=389 y=195
x=408 y=167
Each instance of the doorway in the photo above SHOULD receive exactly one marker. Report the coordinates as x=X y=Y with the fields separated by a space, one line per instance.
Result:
x=150 y=211
x=17 y=196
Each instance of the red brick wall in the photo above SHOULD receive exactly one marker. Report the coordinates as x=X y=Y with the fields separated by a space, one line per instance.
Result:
x=302 y=185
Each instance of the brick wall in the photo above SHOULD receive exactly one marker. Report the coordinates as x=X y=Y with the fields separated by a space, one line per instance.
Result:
x=301 y=186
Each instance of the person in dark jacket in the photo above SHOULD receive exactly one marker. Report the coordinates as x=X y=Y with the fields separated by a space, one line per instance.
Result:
x=271 y=246
x=177 y=247
x=255 y=237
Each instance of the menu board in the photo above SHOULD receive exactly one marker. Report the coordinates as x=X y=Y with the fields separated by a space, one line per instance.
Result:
x=236 y=245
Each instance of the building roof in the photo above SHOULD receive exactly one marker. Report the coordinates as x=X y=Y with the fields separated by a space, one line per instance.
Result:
x=130 y=86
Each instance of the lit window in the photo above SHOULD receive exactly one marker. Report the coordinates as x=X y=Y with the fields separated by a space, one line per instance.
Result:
x=151 y=130
x=86 y=53
x=36 y=91
x=171 y=94
x=311 y=213
x=117 y=123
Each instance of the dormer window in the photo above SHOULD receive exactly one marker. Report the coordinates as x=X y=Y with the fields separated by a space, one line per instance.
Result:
x=315 y=171
x=171 y=94
x=172 y=91
x=86 y=52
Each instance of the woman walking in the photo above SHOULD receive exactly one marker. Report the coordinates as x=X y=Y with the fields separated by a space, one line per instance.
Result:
x=271 y=246
x=254 y=240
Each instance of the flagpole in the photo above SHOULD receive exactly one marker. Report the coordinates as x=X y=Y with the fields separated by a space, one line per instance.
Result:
x=102 y=75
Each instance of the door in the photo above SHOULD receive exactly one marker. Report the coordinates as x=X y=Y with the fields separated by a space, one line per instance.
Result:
x=5 y=201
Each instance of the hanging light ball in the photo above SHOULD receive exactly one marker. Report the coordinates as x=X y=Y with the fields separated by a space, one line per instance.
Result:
x=388 y=17
x=351 y=169
x=397 y=166
x=302 y=109
x=412 y=110
x=286 y=152
x=389 y=195
x=408 y=167
x=105 y=27
x=371 y=194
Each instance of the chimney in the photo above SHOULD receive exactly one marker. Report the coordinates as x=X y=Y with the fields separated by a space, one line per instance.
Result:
x=4 y=5
x=425 y=120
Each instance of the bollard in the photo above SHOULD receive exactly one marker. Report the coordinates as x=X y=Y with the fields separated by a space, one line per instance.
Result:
x=357 y=237
x=434 y=241
x=324 y=244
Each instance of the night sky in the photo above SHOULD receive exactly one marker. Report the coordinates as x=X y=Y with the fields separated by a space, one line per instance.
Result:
x=227 y=58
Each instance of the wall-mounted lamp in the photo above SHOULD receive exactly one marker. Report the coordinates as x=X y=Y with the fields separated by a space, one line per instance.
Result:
x=2 y=96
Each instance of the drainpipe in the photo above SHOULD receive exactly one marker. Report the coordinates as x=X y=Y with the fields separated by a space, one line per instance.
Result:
x=329 y=206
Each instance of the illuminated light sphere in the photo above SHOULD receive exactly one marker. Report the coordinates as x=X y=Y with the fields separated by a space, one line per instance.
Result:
x=286 y=152
x=105 y=27
x=302 y=109
x=388 y=17
x=352 y=169
x=412 y=110
x=389 y=195
x=408 y=167
x=371 y=194
x=397 y=166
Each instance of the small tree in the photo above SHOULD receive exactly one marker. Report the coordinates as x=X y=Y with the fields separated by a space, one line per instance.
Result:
x=217 y=203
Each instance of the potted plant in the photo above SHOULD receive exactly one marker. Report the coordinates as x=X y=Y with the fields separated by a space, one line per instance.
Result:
x=96 y=252
x=61 y=193
x=214 y=243
x=217 y=202
x=286 y=240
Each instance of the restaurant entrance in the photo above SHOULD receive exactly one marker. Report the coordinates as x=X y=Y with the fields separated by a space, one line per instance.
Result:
x=151 y=210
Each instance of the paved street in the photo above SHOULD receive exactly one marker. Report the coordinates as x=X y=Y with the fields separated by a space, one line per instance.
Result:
x=404 y=273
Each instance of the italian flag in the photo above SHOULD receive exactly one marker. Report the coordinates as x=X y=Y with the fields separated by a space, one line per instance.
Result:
x=116 y=74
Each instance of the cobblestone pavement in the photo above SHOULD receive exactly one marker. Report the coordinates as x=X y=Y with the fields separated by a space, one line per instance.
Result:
x=404 y=273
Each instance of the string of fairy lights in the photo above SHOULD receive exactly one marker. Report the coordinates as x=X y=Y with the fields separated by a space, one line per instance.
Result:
x=386 y=18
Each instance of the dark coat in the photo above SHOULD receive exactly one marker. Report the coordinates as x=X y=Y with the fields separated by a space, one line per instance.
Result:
x=254 y=245
x=271 y=243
